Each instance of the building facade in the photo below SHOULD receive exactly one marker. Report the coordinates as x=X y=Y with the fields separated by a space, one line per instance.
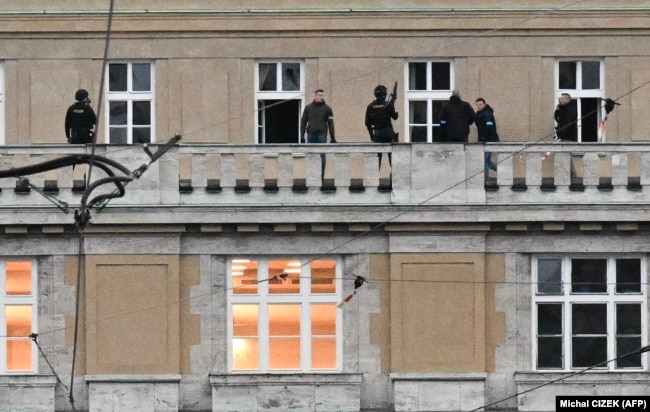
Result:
x=231 y=275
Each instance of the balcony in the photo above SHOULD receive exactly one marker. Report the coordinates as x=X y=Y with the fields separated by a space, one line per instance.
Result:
x=449 y=175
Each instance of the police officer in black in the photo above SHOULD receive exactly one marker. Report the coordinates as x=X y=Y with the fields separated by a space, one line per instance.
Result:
x=378 y=119
x=80 y=119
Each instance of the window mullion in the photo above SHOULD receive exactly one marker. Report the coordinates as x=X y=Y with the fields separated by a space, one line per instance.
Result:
x=263 y=336
x=305 y=335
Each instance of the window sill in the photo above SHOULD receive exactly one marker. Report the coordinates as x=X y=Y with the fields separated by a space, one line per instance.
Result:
x=236 y=379
x=592 y=383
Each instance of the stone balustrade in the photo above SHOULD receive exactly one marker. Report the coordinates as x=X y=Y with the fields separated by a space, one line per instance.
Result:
x=284 y=175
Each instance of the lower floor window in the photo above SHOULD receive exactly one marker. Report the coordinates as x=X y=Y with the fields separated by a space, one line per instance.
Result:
x=589 y=312
x=18 y=316
x=283 y=315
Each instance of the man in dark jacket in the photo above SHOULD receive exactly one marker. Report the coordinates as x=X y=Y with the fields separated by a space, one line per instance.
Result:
x=316 y=120
x=486 y=126
x=455 y=118
x=80 y=119
x=378 y=119
x=566 y=118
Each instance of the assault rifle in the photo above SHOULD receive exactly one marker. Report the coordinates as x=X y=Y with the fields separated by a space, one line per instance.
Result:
x=393 y=96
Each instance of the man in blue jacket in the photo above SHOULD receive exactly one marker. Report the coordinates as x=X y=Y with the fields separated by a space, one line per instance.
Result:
x=486 y=125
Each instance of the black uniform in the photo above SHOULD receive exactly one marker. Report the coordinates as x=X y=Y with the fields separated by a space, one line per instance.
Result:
x=455 y=118
x=80 y=119
x=566 y=117
x=378 y=121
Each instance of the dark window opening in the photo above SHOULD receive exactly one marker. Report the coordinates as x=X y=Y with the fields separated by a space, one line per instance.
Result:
x=279 y=121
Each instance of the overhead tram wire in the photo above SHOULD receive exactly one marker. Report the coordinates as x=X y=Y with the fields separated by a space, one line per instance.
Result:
x=82 y=215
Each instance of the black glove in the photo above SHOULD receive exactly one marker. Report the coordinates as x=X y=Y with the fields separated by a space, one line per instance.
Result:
x=302 y=140
x=332 y=139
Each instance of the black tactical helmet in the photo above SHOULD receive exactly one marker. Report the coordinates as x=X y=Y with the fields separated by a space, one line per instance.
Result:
x=81 y=94
x=381 y=91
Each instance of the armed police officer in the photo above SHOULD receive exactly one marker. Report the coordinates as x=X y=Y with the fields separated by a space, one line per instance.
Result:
x=378 y=118
x=80 y=119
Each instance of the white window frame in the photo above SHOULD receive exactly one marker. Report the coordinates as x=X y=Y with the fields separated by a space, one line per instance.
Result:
x=305 y=298
x=17 y=300
x=130 y=96
x=3 y=124
x=579 y=93
x=277 y=94
x=610 y=298
x=427 y=95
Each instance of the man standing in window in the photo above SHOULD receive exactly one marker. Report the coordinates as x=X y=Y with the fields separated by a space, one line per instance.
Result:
x=317 y=119
x=566 y=118
x=80 y=119
x=486 y=126
x=455 y=118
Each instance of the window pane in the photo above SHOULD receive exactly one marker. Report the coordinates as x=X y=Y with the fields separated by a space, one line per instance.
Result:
x=418 y=134
x=117 y=77
x=283 y=279
x=142 y=112
x=323 y=320
x=323 y=331
x=628 y=275
x=245 y=320
x=141 y=135
x=417 y=112
x=440 y=76
x=628 y=319
x=290 y=76
x=284 y=332
x=549 y=319
x=284 y=320
x=19 y=278
x=624 y=346
x=245 y=337
x=323 y=276
x=323 y=353
x=549 y=352
x=117 y=135
x=117 y=111
x=19 y=354
x=589 y=275
x=591 y=75
x=417 y=76
x=245 y=354
x=268 y=76
x=567 y=75
x=589 y=318
x=549 y=276
x=244 y=277
x=141 y=77
x=588 y=351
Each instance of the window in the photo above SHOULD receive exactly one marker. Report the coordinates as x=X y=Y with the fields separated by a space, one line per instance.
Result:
x=17 y=316
x=282 y=315
x=429 y=85
x=279 y=91
x=588 y=311
x=583 y=80
x=130 y=103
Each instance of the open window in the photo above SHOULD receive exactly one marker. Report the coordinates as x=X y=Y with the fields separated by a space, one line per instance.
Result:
x=279 y=90
x=583 y=80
